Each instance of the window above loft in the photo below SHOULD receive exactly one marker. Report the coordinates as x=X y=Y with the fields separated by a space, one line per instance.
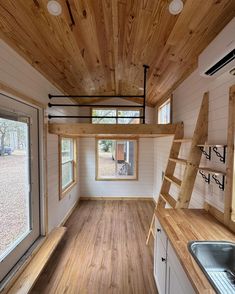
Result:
x=116 y=159
x=164 y=112
x=116 y=116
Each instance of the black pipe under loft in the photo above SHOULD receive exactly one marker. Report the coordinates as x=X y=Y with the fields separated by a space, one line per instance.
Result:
x=96 y=105
x=143 y=106
x=92 y=116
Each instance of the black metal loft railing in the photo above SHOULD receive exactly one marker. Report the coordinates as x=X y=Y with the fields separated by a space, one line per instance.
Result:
x=142 y=106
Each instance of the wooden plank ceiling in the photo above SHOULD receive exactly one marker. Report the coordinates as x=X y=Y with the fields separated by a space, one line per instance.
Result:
x=111 y=39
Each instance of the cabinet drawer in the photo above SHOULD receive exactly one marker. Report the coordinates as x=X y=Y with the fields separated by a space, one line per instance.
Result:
x=160 y=233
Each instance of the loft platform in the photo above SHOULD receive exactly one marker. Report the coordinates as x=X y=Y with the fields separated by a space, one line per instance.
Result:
x=113 y=130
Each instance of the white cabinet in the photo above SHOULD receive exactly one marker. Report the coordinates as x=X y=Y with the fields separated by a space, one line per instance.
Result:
x=160 y=266
x=176 y=280
x=168 y=272
x=160 y=249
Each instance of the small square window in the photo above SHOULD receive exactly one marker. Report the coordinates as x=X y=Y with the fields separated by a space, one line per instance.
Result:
x=164 y=112
x=116 y=159
x=116 y=116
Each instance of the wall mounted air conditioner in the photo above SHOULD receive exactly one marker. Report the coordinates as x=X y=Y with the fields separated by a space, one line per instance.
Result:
x=219 y=56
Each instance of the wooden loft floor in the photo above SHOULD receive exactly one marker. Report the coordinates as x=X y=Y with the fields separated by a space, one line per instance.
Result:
x=135 y=130
x=103 y=251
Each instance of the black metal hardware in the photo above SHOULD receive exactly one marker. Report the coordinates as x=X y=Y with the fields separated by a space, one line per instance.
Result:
x=94 y=105
x=220 y=184
x=90 y=116
x=221 y=156
x=208 y=155
x=146 y=67
x=158 y=230
x=163 y=259
x=50 y=96
x=206 y=178
x=142 y=106
x=70 y=13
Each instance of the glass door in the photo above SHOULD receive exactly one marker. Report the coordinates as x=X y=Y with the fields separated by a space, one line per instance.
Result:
x=19 y=181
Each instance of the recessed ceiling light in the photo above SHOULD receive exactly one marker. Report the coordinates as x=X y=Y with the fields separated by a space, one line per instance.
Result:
x=176 y=6
x=54 y=7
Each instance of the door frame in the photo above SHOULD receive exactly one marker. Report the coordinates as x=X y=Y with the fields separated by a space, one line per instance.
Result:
x=43 y=195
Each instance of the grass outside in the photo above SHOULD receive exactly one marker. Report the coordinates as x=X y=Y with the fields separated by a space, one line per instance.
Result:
x=14 y=209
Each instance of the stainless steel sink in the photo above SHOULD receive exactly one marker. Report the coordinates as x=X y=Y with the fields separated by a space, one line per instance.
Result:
x=217 y=261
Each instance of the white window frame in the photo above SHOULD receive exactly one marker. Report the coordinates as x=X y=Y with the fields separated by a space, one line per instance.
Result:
x=117 y=109
x=118 y=178
x=168 y=101
x=64 y=190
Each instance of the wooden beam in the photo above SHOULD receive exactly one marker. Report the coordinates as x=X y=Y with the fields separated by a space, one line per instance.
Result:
x=13 y=92
x=229 y=198
x=91 y=130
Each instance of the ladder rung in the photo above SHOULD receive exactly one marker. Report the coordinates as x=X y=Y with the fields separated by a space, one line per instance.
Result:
x=173 y=180
x=185 y=140
x=178 y=160
x=169 y=199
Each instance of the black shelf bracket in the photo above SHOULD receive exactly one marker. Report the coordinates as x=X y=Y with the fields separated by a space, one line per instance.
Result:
x=220 y=184
x=207 y=154
x=222 y=156
x=207 y=178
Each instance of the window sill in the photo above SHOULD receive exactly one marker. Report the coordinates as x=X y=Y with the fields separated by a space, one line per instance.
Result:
x=67 y=190
x=116 y=179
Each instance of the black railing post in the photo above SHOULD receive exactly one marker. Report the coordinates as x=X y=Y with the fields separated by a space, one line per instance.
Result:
x=146 y=67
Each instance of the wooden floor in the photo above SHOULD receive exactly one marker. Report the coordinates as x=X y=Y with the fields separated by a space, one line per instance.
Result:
x=103 y=251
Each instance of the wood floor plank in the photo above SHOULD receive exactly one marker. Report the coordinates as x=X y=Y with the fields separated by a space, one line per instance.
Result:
x=103 y=251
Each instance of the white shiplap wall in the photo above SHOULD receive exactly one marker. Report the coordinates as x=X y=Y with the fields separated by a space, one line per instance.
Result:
x=186 y=103
x=20 y=75
x=89 y=187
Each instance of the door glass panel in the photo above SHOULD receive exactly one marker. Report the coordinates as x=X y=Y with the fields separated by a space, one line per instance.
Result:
x=14 y=184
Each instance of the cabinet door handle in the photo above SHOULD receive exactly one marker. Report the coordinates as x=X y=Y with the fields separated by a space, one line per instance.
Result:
x=163 y=259
x=158 y=230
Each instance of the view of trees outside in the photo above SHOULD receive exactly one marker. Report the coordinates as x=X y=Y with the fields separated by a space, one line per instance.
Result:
x=14 y=182
x=113 y=113
x=12 y=135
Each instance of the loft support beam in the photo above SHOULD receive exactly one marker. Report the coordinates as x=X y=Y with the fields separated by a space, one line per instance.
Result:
x=89 y=130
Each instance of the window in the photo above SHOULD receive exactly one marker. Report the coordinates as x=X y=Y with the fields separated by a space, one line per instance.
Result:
x=19 y=181
x=117 y=116
x=67 y=164
x=116 y=159
x=164 y=112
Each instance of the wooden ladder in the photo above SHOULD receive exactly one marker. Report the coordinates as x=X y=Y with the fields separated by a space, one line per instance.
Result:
x=191 y=164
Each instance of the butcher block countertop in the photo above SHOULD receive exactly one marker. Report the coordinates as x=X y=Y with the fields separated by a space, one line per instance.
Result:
x=184 y=225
